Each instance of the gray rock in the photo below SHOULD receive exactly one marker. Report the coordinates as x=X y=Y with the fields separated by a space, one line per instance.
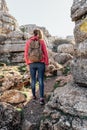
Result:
x=28 y=125
x=66 y=48
x=10 y=118
x=30 y=27
x=78 y=14
x=3 y=6
x=79 y=71
x=9 y=22
x=78 y=9
x=80 y=35
x=69 y=103
x=62 y=58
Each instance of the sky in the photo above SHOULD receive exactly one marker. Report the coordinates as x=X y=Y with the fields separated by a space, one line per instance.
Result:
x=54 y=15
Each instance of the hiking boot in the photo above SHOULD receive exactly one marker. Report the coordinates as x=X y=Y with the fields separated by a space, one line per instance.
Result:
x=42 y=101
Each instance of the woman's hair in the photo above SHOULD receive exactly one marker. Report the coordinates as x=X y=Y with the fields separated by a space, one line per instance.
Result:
x=39 y=33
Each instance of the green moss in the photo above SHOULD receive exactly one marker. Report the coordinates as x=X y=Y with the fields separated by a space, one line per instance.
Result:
x=56 y=85
x=66 y=70
x=20 y=110
x=25 y=93
x=1 y=76
x=22 y=69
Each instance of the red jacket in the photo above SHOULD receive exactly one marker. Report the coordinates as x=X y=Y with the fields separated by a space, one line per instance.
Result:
x=44 y=49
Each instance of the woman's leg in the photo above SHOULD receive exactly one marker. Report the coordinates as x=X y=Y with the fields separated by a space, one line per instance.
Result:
x=41 y=70
x=33 y=78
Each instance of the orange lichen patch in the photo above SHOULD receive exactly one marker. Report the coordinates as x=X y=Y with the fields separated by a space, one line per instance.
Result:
x=83 y=26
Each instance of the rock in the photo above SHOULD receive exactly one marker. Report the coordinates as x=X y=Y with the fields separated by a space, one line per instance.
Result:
x=78 y=9
x=79 y=31
x=10 y=118
x=30 y=27
x=62 y=58
x=12 y=52
x=69 y=104
x=66 y=48
x=62 y=80
x=3 y=37
x=46 y=126
x=26 y=36
x=79 y=71
x=7 y=22
x=3 y=6
x=12 y=97
x=57 y=42
x=78 y=14
x=28 y=125
x=81 y=49
x=15 y=35
x=12 y=46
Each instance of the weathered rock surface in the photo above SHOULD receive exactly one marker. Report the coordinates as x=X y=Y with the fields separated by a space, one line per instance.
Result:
x=78 y=14
x=80 y=31
x=79 y=70
x=3 y=6
x=66 y=48
x=10 y=118
x=12 y=46
x=58 y=44
x=12 y=51
x=67 y=109
x=12 y=97
x=3 y=37
x=27 y=125
x=7 y=22
x=78 y=9
x=62 y=58
x=9 y=30
x=30 y=27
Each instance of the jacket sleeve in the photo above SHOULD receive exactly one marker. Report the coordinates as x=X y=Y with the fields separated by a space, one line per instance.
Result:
x=45 y=53
x=26 y=52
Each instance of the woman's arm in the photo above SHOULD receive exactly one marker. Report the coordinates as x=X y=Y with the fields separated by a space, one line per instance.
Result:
x=44 y=49
x=26 y=52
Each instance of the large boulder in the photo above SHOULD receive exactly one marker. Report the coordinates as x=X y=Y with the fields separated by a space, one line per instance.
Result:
x=66 y=109
x=66 y=48
x=78 y=14
x=12 y=97
x=79 y=70
x=62 y=58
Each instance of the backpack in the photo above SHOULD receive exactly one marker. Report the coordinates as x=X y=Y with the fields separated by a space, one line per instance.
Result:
x=35 y=51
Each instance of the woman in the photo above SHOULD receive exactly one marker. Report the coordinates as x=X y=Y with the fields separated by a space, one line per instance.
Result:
x=37 y=66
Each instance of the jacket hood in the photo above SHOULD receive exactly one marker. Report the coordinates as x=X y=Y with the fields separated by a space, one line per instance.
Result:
x=34 y=38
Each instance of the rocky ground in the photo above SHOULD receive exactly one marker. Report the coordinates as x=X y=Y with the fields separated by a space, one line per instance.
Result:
x=33 y=111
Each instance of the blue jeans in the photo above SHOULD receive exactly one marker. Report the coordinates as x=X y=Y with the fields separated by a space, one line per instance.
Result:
x=40 y=68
